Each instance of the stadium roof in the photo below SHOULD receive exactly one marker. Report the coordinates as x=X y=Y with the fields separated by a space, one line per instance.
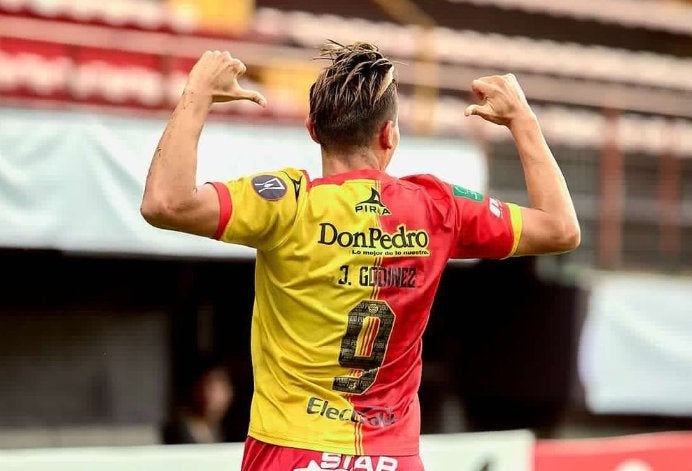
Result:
x=645 y=25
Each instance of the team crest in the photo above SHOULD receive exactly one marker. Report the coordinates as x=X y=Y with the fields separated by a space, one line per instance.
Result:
x=269 y=187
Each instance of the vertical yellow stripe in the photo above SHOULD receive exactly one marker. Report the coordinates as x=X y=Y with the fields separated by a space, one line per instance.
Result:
x=359 y=443
x=355 y=426
x=373 y=293
x=371 y=325
x=377 y=288
x=378 y=260
x=516 y=221
x=363 y=336
x=367 y=338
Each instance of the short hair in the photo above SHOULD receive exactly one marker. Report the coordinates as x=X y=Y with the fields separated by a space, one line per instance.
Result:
x=353 y=96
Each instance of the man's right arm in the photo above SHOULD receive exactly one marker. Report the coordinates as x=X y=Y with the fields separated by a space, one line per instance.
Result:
x=172 y=200
x=550 y=225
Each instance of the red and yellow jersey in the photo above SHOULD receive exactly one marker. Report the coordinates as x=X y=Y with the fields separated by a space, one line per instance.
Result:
x=346 y=271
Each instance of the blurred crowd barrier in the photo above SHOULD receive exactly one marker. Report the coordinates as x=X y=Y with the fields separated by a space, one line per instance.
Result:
x=137 y=53
x=500 y=451
x=619 y=120
x=514 y=450
x=645 y=452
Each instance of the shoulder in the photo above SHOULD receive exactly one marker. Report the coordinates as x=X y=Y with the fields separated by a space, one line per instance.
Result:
x=445 y=189
x=432 y=185
x=273 y=185
x=293 y=172
x=284 y=174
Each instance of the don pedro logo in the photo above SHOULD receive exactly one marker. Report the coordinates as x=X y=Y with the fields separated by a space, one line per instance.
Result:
x=375 y=238
x=269 y=187
x=373 y=205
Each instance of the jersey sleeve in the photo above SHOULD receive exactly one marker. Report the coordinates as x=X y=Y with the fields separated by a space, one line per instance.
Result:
x=258 y=210
x=485 y=227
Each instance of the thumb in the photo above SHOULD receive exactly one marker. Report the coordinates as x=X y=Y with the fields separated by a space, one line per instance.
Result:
x=481 y=87
x=252 y=95
x=474 y=109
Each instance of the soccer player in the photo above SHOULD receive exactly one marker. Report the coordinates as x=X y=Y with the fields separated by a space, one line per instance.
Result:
x=348 y=262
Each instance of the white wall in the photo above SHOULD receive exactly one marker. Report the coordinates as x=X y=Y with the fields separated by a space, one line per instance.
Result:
x=73 y=181
x=635 y=352
x=496 y=451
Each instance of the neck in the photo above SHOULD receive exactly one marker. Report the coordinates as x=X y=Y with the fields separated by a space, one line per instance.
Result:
x=337 y=162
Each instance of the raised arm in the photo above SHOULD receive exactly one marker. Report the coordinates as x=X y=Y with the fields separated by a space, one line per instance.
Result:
x=172 y=200
x=550 y=225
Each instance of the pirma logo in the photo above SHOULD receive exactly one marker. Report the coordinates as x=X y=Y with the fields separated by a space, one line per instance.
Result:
x=373 y=205
x=269 y=187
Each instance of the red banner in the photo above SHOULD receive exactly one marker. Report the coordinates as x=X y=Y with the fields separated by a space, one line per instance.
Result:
x=670 y=451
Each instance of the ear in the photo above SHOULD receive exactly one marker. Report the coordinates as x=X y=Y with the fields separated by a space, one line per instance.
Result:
x=386 y=138
x=311 y=129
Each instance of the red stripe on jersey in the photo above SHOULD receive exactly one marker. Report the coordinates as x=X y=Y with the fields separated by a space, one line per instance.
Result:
x=225 y=207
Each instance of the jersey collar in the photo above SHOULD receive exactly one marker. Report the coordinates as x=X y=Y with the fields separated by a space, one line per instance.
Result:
x=361 y=174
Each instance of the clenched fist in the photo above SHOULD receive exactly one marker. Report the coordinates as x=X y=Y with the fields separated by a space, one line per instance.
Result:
x=216 y=75
x=503 y=100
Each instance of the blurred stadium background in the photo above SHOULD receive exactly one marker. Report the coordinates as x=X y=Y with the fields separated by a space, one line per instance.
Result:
x=100 y=315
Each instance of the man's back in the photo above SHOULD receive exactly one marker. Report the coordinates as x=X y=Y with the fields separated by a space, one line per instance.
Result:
x=336 y=354
x=346 y=275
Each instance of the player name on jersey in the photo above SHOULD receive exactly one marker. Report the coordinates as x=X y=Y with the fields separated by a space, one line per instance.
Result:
x=381 y=277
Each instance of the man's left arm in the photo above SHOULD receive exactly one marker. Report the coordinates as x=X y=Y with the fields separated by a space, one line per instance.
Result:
x=172 y=200
x=486 y=227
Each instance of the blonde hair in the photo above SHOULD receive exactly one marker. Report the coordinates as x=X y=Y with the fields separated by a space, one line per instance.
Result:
x=353 y=96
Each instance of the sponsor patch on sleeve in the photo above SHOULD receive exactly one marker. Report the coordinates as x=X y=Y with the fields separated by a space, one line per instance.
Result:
x=461 y=192
x=269 y=187
x=495 y=207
